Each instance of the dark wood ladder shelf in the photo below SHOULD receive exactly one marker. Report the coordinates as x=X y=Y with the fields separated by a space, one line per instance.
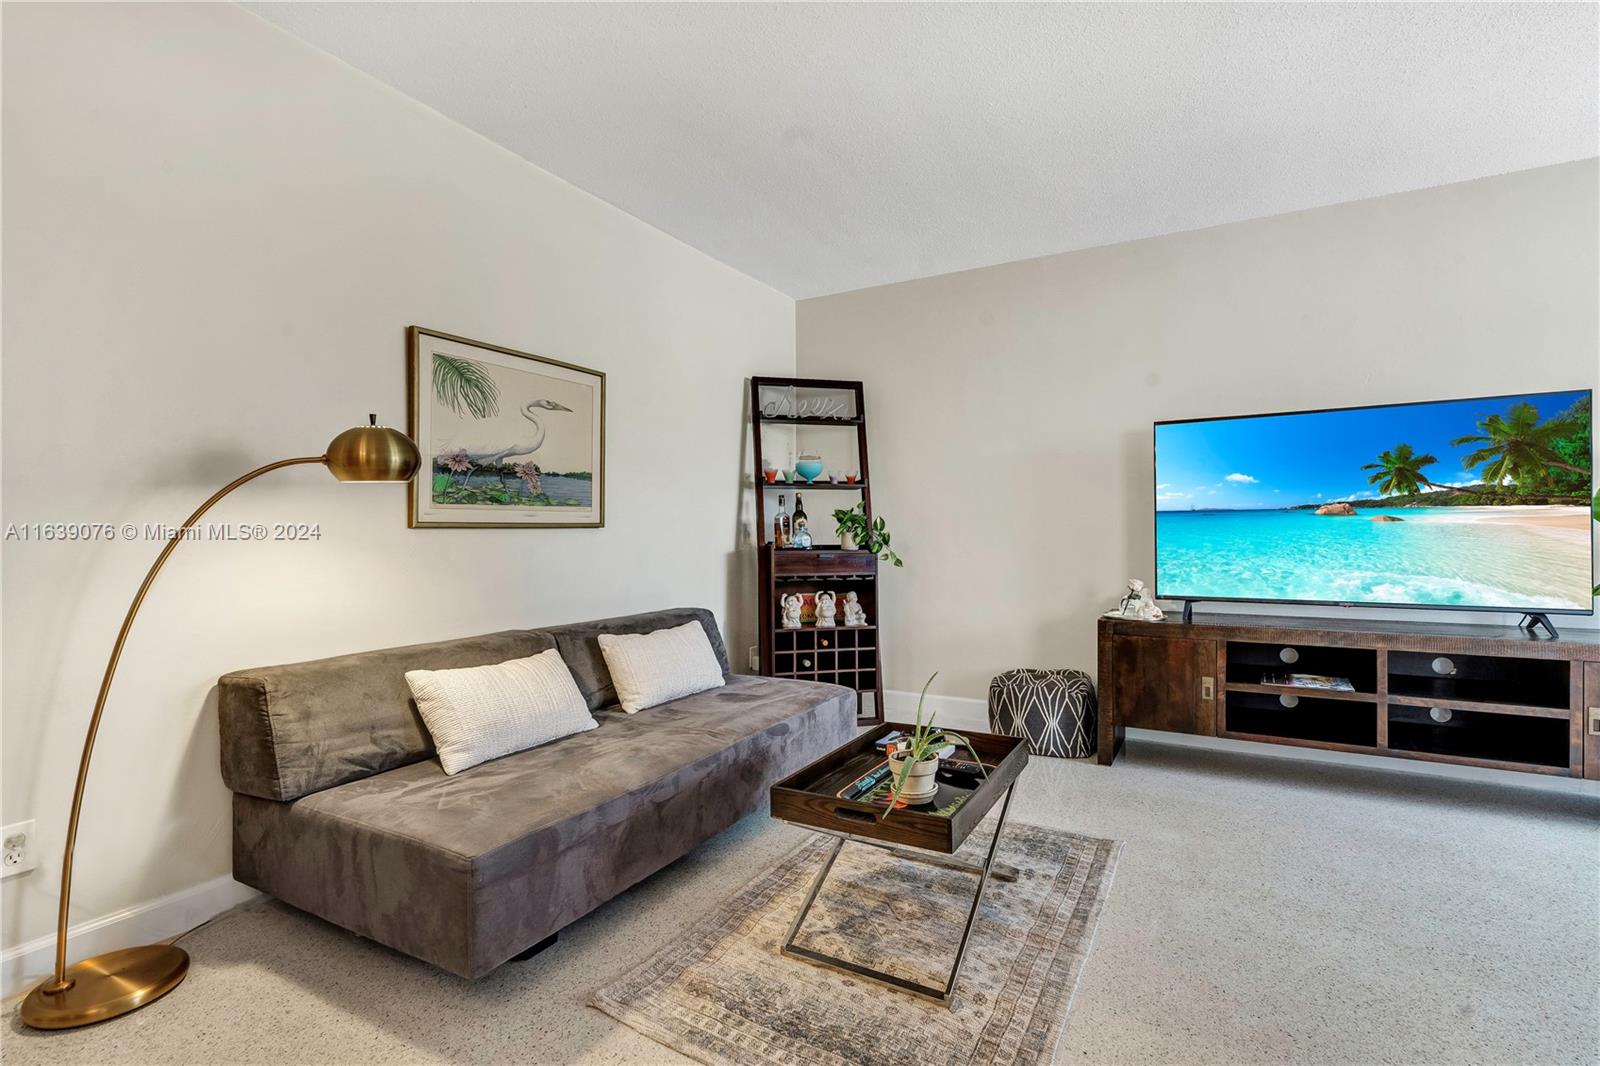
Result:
x=1490 y=696
x=840 y=655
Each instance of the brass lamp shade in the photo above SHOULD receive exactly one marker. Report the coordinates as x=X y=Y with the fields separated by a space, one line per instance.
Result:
x=117 y=982
x=373 y=453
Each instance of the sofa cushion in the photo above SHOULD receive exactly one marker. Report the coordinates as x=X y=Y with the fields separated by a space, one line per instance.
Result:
x=651 y=668
x=478 y=713
x=467 y=871
x=580 y=646
x=291 y=730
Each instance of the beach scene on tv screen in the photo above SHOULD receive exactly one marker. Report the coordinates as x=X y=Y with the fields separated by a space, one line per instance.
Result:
x=1466 y=503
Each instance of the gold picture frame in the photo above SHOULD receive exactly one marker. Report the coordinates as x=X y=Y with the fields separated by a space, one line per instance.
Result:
x=509 y=439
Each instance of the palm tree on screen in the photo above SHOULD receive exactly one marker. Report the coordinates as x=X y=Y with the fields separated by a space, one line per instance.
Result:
x=1399 y=471
x=1518 y=447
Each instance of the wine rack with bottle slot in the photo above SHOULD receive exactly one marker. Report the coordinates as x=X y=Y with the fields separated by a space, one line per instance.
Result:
x=1489 y=696
x=842 y=655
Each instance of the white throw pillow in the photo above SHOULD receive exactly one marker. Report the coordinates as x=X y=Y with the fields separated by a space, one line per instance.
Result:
x=652 y=668
x=478 y=713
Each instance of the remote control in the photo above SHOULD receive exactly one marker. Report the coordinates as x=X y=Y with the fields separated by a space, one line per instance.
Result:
x=960 y=773
x=866 y=783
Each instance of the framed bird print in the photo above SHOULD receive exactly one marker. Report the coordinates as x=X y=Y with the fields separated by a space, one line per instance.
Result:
x=508 y=439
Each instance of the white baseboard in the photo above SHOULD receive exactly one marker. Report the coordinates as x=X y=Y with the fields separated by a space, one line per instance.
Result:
x=957 y=712
x=961 y=712
x=143 y=923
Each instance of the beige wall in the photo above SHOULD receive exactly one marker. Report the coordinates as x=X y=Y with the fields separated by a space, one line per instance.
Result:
x=1011 y=406
x=215 y=237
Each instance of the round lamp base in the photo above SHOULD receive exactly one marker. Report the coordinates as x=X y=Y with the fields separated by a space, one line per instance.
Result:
x=105 y=986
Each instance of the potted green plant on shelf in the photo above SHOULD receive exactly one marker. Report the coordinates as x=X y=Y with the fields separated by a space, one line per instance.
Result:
x=914 y=761
x=855 y=532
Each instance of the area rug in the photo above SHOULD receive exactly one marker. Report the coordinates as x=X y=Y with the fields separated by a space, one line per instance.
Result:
x=723 y=994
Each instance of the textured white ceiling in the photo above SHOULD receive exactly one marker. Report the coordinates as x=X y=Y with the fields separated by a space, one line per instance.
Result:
x=822 y=148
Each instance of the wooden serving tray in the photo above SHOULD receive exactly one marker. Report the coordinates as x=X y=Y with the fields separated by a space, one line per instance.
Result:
x=810 y=797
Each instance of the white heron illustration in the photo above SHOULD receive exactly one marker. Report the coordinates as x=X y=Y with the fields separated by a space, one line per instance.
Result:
x=478 y=454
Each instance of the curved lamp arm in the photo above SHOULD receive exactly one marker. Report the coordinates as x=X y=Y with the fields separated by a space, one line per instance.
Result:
x=61 y=982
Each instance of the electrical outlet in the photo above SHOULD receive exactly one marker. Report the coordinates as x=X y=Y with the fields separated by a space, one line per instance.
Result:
x=21 y=854
x=755 y=657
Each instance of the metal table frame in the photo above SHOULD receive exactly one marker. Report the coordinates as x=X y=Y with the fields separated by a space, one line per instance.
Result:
x=928 y=859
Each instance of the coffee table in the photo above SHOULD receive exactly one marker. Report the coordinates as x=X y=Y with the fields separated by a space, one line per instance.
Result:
x=811 y=798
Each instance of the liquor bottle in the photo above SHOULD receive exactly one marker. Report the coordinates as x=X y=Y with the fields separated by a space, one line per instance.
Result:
x=799 y=531
x=780 y=526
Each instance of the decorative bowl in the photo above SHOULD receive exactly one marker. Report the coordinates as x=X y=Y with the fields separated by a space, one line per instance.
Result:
x=808 y=467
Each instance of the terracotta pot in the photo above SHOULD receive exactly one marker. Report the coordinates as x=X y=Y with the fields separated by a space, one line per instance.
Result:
x=920 y=783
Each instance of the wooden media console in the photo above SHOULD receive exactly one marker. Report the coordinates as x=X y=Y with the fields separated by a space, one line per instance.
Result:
x=1500 y=697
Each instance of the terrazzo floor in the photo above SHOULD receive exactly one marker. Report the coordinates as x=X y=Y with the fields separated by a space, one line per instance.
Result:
x=1265 y=910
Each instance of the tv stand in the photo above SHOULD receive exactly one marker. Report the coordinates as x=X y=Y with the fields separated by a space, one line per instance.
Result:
x=1533 y=619
x=1188 y=612
x=1504 y=697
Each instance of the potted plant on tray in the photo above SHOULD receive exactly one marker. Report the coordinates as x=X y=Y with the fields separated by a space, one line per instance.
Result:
x=914 y=761
x=854 y=532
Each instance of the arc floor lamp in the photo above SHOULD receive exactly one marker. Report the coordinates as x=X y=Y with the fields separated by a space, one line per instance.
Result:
x=117 y=982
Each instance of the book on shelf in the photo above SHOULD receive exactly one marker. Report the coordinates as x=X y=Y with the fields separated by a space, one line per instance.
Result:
x=1321 y=681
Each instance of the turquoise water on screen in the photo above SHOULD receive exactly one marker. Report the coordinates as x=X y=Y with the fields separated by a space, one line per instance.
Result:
x=1435 y=556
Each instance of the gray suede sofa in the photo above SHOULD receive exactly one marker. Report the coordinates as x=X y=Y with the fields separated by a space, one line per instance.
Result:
x=340 y=808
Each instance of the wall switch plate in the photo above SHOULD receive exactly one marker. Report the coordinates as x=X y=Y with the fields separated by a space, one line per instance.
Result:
x=21 y=853
x=755 y=657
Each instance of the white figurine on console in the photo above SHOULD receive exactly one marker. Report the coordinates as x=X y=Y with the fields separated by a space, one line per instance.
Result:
x=826 y=609
x=1137 y=604
x=854 y=614
x=791 y=610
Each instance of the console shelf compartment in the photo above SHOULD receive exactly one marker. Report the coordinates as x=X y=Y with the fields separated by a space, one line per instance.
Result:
x=1478 y=679
x=1480 y=738
x=1340 y=723
x=1251 y=663
x=1516 y=700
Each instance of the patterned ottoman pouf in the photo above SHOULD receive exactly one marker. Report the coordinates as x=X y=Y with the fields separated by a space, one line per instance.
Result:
x=1053 y=710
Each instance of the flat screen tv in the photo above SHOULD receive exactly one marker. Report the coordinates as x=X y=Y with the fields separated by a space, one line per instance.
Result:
x=1480 y=504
